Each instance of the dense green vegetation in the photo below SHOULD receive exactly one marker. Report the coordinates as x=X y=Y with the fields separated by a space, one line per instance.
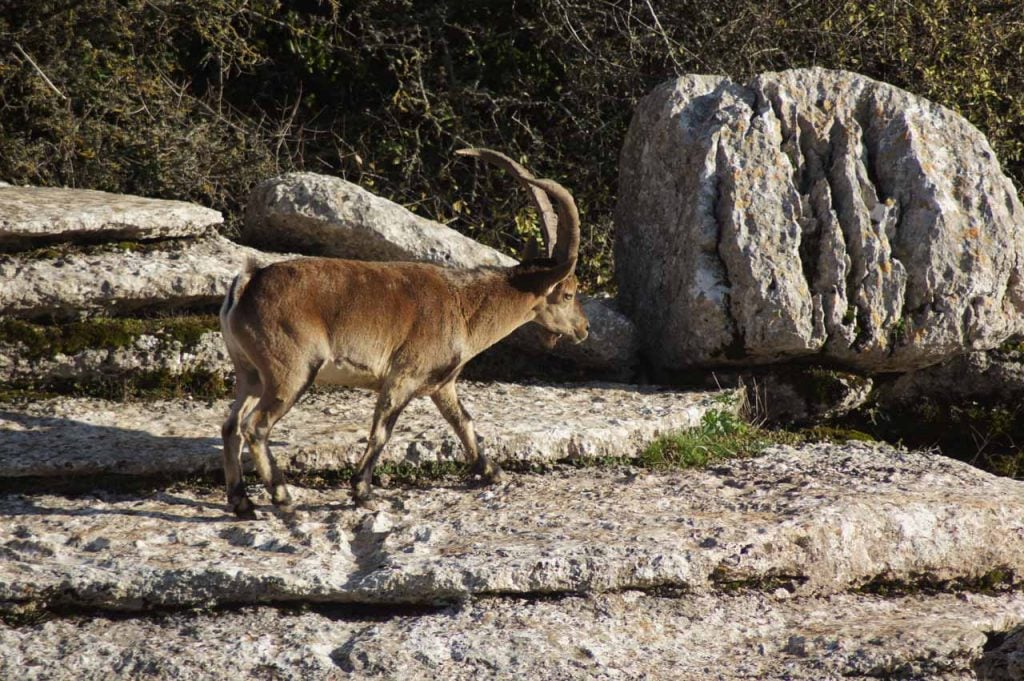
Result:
x=199 y=99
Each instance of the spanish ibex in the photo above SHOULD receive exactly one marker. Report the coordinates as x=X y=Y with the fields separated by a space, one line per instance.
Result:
x=403 y=329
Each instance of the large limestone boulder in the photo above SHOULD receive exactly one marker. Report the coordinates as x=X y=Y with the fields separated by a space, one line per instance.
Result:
x=31 y=216
x=813 y=213
x=328 y=216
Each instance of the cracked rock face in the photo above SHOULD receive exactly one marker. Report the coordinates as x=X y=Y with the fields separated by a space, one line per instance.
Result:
x=327 y=216
x=813 y=213
x=33 y=215
x=619 y=635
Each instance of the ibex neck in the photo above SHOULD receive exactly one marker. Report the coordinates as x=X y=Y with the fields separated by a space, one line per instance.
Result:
x=494 y=308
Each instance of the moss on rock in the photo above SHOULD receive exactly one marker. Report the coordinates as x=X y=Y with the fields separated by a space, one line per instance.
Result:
x=40 y=341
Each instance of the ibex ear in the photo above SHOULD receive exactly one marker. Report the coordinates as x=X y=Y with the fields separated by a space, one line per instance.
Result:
x=541 y=281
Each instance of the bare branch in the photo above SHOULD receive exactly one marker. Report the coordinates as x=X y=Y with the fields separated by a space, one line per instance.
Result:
x=39 y=70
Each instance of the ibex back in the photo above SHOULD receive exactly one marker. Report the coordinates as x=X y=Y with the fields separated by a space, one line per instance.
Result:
x=403 y=329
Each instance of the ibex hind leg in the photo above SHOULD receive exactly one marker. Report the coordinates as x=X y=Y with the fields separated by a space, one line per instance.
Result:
x=247 y=393
x=450 y=406
x=279 y=395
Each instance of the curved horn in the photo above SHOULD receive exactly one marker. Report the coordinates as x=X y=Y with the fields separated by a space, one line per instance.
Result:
x=548 y=217
x=567 y=246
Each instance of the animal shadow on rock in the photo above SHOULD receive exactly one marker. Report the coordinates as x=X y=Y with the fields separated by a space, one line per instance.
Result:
x=54 y=454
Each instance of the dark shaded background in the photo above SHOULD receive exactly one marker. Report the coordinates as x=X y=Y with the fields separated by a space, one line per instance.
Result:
x=200 y=99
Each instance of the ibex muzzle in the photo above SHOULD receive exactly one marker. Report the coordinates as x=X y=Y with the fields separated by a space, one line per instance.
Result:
x=403 y=329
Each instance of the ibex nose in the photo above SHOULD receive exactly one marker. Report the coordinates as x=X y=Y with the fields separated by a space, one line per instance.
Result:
x=583 y=332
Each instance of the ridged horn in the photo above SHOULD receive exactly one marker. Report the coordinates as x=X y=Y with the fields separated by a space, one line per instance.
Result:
x=567 y=246
x=546 y=212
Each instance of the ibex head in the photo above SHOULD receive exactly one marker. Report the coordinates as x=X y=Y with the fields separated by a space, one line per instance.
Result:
x=559 y=311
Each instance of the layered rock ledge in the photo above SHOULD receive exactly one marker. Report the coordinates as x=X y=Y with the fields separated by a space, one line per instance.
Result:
x=774 y=567
x=812 y=521
x=327 y=430
x=169 y=276
x=748 y=635
x=32 y=216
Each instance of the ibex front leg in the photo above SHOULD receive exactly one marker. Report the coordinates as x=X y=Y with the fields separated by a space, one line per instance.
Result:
x=390 y=403
x=454 y=413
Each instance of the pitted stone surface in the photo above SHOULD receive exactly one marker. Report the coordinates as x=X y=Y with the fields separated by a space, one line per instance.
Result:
x=179 y=274
x=621 y=635
x=328 y=429
x=30 y=215
x=811 y=213
x=818 y=520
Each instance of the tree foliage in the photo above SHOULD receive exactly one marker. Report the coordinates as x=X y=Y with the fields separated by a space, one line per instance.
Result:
x=200 y=99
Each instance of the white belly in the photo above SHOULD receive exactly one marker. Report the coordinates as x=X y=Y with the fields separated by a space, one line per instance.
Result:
x=344 y=373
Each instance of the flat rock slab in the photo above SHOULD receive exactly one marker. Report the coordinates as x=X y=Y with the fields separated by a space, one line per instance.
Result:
x=813 y=520
x=177 y=274
x=624 y=635
x=30 y=216
x=327 y=430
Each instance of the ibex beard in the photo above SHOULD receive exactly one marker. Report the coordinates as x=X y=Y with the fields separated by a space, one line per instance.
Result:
x=404 y=330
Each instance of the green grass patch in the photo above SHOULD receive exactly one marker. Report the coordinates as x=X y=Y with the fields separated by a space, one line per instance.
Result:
x=721 y=435
x=36 y=342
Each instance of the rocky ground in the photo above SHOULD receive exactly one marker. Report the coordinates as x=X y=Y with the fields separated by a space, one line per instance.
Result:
x=812 y=562
x=120 y=560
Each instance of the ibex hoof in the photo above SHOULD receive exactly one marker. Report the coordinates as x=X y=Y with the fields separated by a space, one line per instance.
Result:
x=244 y=509
x=488 y=474
x=283 y=501
x=285 y=508
x=371 y=503
x=362 y=494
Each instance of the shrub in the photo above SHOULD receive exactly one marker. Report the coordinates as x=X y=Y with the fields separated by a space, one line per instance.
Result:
x=199 y=99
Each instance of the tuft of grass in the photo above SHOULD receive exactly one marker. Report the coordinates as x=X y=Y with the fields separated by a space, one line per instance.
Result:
x=721 y=435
